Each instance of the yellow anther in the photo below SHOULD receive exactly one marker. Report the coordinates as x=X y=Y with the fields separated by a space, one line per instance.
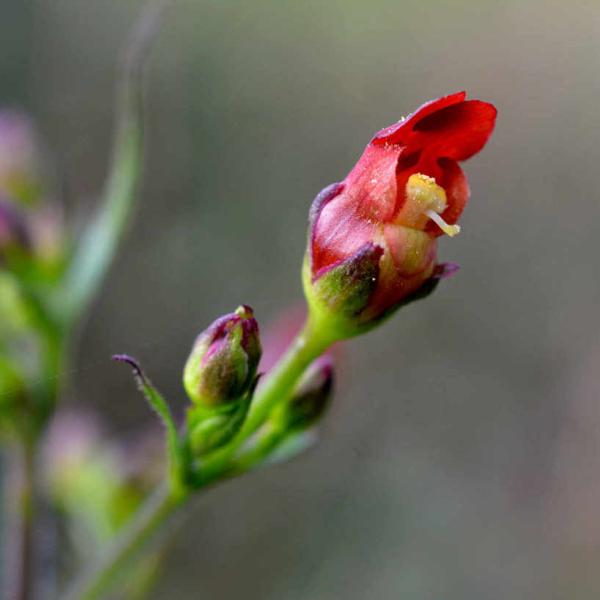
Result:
x=426 y=200
x=424 y=193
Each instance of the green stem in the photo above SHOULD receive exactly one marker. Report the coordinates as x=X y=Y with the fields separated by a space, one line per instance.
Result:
x=255 y=455
x=103 y=235
x=310 y=343
x=19 y=547
x=153 y=516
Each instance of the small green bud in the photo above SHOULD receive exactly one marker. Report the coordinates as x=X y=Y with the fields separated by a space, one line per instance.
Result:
x=223 y=362
x=208 y=432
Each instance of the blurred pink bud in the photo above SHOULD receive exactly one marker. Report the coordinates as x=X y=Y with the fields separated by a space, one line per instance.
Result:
x=312 y=396
x=14 y=235
x=19 y=156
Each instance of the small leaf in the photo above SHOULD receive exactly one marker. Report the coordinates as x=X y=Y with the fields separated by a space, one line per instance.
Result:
x=159 y=405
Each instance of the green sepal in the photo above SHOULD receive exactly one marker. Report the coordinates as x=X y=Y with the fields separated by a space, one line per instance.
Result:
x=175 y=450
x=212 y=428
x=338 y=297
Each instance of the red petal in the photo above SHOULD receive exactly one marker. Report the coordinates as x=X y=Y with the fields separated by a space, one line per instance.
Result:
x=450 y=127
x=457 y=131
x=371 y=184
x=394 y=133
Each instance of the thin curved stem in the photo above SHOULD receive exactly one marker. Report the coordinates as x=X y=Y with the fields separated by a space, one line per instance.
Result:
x=100 y=240
x=143 y=528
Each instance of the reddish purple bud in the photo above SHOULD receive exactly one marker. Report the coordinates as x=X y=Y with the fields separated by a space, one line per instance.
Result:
x=222 y=366
x=13 y=229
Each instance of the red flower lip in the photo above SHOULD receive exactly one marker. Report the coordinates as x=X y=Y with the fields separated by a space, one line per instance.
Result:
x=406 y=189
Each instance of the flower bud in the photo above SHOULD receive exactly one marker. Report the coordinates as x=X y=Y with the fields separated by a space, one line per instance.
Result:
x=222 y=366
x=373 y=237
x=98 y=483
x=14 y=237
x=19 y=157
x=312 y=396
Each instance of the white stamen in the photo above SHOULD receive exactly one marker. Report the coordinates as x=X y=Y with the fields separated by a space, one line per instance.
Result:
x=448 y=229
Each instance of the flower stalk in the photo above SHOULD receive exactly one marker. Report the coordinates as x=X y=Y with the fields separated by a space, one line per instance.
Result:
x=308 y=345
x=371 y=249
x=99 y=243
x=155 y=515
x=142 y=530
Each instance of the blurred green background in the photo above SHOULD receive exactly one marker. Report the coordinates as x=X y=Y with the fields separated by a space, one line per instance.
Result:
x=461 y=458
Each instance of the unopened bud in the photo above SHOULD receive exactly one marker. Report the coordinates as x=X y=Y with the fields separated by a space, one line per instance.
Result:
x=312 y=396
x=222 y=366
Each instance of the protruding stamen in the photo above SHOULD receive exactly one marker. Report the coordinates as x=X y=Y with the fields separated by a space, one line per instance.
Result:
x=448 y=229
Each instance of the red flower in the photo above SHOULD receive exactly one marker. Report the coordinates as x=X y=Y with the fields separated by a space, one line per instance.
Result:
x=406 y=190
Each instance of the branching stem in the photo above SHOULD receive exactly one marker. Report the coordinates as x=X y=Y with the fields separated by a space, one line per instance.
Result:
x=276 y=389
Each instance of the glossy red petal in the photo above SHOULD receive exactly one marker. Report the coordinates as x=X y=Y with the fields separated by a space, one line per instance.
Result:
x=458 y=131
x=395 y=133
x=450 y=127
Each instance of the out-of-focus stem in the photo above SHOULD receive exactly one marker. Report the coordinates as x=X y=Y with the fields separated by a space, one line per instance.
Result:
x=18 y=549
x=263 y=448
x=153 y=516
x=100 y=240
